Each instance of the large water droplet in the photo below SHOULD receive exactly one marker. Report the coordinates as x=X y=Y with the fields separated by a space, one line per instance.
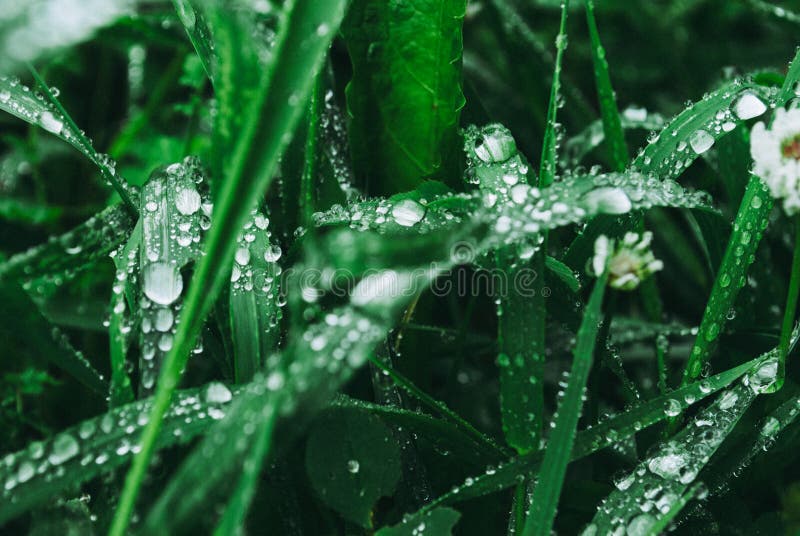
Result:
x=162 y=283
x=749 y=106
x=408 y=212
x=218 y=393
x=701 y=141
x=64 y=447
x=51 y=123
x=187 y=201
x=495 y=145
x=608 y=200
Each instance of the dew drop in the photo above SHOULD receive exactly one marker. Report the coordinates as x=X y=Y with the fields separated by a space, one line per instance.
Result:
x=163 y=283
x=749 y=106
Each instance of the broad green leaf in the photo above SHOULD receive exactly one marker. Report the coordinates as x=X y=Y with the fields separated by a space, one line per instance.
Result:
x=559 y=449
x=29 y=335
x=301 y=45
x=62 y=257
x=612 y=126
x=352 y=460
x=405 y=95
x=32 y=29
x=677 y=461
x=254 y=298
x=438 y=522
x=95 y=446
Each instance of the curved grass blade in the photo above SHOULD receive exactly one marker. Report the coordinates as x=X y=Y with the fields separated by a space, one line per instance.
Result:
x=612 y=126
x=559 y=449
x=748 y=228
x=55 y=119
x=126 y=261
x=677 y=462
x=300 y=49
x=29 y=334
x=62 y=257
x=695 y=130
x=254 y=298
x=405 y=95
x=594 y=438
x=98 y=445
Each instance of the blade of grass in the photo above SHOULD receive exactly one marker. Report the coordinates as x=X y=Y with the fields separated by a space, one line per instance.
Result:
x=63 y=126
x=301 y=45
x=612 y=125
x=594 y=438
x=559 y=449
x=101 y=444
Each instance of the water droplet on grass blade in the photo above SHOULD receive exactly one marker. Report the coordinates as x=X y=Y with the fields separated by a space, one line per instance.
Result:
x=163 y=283
x=749 y=106
x=701 y=141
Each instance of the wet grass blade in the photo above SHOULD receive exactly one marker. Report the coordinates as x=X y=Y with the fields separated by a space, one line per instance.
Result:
x=677 y=462
x=612 y=126
x=199 y=34
x=255 y=290
x=300 y=49
x=32 y=336
x=99 y=445
x=64 y=256
x=405 y=128
x=748 y=228
x=594 y=438
x=55 y=119
x=560 y=444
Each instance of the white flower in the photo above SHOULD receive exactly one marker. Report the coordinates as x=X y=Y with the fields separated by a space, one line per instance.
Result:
x=629 y=263
x=776 y=153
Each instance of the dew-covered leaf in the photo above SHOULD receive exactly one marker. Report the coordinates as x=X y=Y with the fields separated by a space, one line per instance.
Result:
x=271 y=119
x=404 y=128
x=657 y=484
x=352 y=459
x=438 y=522
x=95 y=446
x=174 y=217
x=255 y=294
x=601 y=435
x=547 y=489
x=62 y=257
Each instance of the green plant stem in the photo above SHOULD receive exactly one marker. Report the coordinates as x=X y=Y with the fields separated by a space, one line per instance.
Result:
x=791 y=305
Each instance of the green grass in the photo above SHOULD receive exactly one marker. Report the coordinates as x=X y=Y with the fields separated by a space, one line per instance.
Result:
x=326 y=267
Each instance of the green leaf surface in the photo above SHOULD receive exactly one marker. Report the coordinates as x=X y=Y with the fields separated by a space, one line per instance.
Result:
x=560 y=444
x=352 y=460
x=612 y=125
x=438 y=522
x=405 y=95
